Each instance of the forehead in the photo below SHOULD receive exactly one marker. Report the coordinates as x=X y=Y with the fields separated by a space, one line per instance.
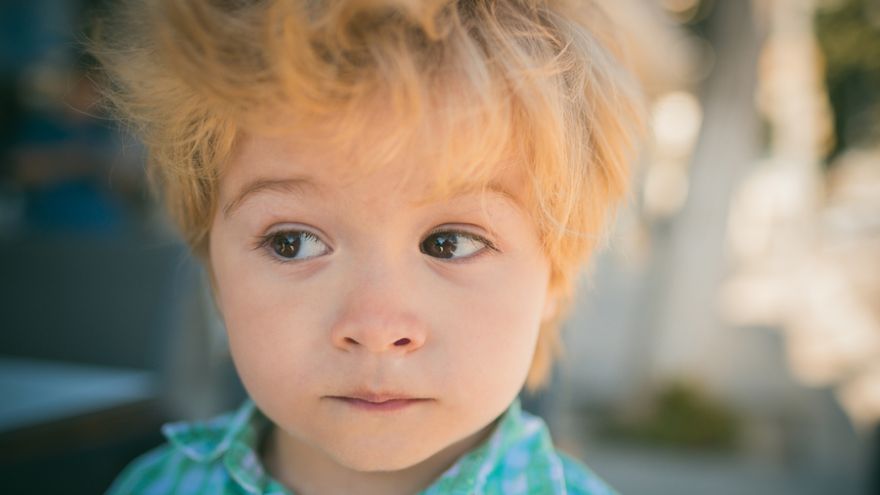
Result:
x=455 y=137
x=290 y=164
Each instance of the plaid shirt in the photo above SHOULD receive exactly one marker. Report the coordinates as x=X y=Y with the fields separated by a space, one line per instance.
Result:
x=219 y=456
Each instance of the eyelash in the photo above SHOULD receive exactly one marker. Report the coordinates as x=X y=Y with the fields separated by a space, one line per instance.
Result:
x=262 y=244
x=490 y=246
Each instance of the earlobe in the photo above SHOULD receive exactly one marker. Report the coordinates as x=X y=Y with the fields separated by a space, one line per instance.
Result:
x=551 y=305
x=212 y=287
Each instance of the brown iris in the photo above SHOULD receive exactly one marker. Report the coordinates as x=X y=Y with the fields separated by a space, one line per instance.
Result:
x=287 y=244
x=440 y=245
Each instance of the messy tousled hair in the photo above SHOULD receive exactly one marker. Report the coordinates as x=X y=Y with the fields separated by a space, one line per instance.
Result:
x=539 y=85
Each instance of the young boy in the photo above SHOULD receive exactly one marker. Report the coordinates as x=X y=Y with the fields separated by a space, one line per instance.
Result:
x=392 y=198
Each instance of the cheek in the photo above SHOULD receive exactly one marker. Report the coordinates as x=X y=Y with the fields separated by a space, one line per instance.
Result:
x=493 y=327
x=265 y=321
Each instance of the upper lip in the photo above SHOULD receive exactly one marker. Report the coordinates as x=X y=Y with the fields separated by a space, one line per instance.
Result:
x=377 y=397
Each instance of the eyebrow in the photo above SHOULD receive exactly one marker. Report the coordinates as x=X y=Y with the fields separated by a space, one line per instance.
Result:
x=491 y=187
x=302 y=185
x=295 y=185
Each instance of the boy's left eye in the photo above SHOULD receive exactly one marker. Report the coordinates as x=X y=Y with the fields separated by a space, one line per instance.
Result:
x=453 y=245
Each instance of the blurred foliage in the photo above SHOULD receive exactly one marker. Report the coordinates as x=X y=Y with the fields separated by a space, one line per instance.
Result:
x=680 y=415
x=698 y=20
x=849 y=37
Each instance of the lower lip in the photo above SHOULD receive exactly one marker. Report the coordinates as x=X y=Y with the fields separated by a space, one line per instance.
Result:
x=388 y=405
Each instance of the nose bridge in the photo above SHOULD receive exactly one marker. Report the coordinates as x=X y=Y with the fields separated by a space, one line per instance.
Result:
x=376 y=313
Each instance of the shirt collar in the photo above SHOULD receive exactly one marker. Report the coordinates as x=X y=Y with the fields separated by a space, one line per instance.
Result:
x=233 y=439
x=520 y=441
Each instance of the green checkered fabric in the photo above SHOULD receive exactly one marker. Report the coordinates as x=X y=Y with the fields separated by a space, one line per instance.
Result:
x=219 y=456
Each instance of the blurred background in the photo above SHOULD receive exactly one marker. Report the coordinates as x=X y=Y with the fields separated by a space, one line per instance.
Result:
x=727 y=342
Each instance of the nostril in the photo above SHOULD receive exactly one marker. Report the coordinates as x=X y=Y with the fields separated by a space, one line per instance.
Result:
x=351 y=340
x=403 y=341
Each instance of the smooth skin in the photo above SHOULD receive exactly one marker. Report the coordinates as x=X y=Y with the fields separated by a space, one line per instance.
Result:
x=331 y=284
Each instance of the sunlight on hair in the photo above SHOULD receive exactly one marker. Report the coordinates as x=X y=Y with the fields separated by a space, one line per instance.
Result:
x=472 y=86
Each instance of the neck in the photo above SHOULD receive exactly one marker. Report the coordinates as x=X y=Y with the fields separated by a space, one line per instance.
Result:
x=307 y=470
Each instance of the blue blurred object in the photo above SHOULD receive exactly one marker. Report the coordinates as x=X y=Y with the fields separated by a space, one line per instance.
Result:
x=30 y=29
x=73 y=205
x=63 y=162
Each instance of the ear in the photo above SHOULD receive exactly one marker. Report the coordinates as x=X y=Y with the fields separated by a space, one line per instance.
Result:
x=211 y=282
x=551 y=305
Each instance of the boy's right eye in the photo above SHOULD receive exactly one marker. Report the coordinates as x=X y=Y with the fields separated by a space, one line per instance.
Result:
x=293 y=245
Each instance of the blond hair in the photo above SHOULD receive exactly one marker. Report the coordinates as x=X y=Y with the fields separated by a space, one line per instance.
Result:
x=538 y=84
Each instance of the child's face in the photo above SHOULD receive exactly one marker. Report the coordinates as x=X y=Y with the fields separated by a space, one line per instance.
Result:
x=360 y=288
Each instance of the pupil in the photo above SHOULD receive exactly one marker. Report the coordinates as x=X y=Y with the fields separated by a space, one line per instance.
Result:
x=440 y=245
x=287 y=244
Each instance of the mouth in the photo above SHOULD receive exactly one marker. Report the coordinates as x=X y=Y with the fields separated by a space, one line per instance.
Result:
x=379 y=401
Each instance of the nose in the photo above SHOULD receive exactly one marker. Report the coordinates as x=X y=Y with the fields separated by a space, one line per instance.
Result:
x=377 y=316
x=378 y=330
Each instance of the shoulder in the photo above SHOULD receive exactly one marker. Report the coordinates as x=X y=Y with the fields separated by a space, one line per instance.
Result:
x=166 y=470
x=581 y=480
x=212 y=456
x=521 y=458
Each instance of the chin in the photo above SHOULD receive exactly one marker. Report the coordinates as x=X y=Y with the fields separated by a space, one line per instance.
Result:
x=376 y=460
